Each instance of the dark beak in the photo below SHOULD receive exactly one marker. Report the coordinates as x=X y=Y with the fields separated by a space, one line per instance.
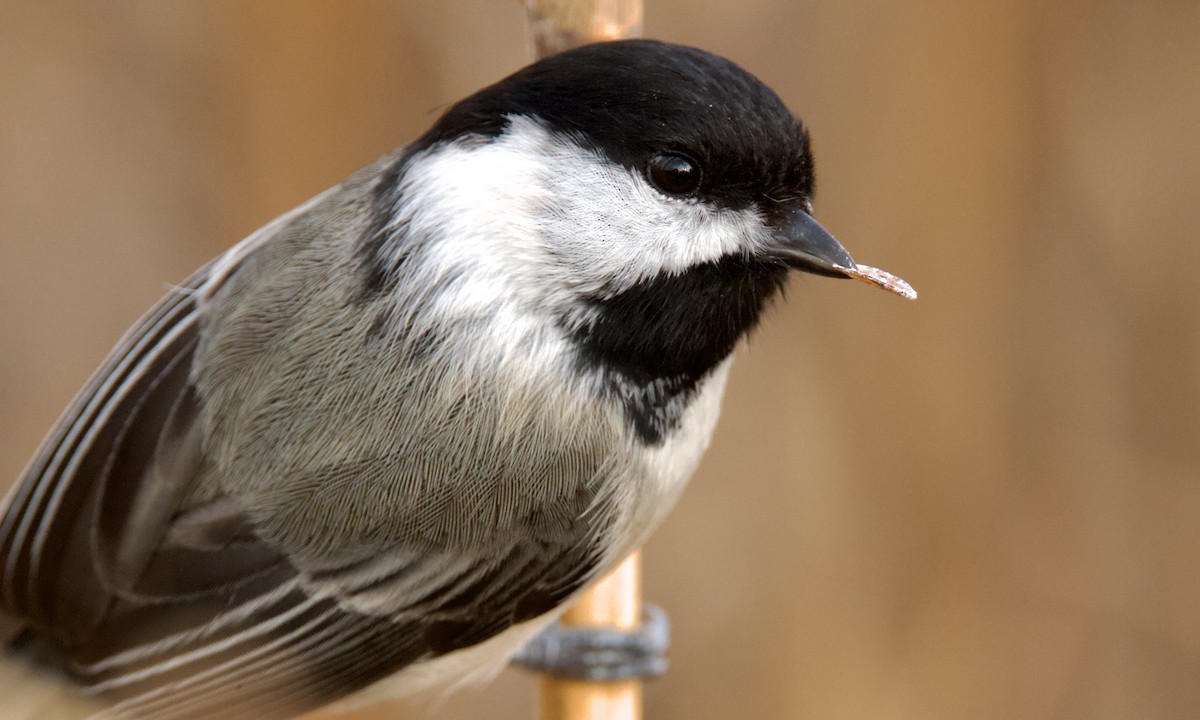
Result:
x=802 y=243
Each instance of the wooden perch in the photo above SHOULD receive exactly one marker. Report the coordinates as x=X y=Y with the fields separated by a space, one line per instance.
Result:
x=557 y=25
x=614 y=602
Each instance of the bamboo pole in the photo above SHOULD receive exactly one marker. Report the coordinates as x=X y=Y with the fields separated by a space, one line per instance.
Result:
x=616 y=601
x=557 y=25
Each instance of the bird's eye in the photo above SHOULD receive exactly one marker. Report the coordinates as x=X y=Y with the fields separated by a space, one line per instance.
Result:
x=674 y=174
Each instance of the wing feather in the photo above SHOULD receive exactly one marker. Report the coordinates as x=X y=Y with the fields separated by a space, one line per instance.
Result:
x=177 y=608
x=43 y=523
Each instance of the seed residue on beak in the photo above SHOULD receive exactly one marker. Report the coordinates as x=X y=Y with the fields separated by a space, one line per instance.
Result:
x=881 y=279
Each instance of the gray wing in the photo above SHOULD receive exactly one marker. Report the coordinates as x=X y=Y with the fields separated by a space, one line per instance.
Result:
x=51 y=517
x=125 y=553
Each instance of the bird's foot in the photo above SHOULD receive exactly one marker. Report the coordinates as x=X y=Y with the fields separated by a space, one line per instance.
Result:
x=600 y=653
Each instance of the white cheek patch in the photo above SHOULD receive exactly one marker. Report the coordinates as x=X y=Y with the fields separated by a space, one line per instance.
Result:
x=533 y=216
x=617 y=230
x=612 y=229
x=477 y=200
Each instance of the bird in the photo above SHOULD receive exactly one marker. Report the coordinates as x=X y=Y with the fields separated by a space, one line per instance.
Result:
x=378 y=445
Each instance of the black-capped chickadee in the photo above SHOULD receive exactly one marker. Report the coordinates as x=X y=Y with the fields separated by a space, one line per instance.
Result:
x=376 y=446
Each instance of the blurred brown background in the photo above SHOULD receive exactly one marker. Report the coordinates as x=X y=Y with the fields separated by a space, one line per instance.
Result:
x=981 y=505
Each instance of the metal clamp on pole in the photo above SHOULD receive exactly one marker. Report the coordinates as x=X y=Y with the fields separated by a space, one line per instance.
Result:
x=601 y=654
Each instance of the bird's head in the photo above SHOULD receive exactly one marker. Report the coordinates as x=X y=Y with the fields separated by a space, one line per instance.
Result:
x=653 y=197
